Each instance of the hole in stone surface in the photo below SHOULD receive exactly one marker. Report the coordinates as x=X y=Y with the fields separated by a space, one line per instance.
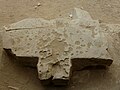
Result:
x=77 y=42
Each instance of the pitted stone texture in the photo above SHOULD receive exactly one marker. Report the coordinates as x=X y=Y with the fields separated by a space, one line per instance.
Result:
x=60 y=45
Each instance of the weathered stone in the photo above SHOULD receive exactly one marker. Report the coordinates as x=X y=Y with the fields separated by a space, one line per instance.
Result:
x=60 y=45
x=81 y=14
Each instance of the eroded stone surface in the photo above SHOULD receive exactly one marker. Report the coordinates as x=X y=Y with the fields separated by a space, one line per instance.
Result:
x=60 y=45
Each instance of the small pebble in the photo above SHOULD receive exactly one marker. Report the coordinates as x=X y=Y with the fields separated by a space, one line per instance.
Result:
x=35 y=7
x=81 y=7
x=70 y=15
x=39 y=4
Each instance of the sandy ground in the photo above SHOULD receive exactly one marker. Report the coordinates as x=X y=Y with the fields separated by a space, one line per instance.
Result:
x=25 y=78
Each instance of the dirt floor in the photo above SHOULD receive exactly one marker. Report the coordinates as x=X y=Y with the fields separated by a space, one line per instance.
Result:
x=25 y=78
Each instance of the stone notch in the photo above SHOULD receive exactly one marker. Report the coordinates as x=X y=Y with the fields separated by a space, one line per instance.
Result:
x=59 y=46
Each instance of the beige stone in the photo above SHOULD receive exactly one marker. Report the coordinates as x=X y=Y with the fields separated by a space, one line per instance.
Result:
x=60 y=45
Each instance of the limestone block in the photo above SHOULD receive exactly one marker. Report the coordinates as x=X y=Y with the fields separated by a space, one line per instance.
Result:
x=60 y=45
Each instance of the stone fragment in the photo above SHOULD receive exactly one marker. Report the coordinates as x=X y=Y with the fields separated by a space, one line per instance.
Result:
x=81 y=14
x=59 y=46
